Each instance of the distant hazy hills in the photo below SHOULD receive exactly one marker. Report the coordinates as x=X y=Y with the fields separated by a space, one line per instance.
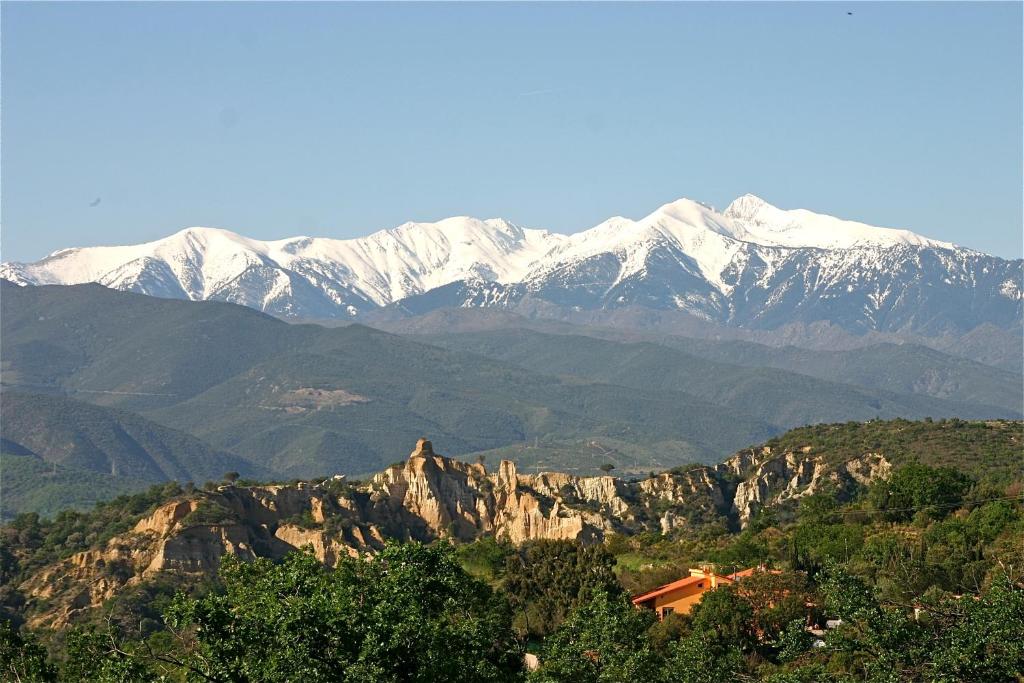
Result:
x=133 y=389
x=752 y=266
x=58 y=452
x=989 y=344
x=303 y=399
x=785 y=385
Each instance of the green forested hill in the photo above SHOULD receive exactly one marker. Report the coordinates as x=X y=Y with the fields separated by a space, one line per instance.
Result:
x=304 y=400
x=785 y=398
x=152 y=352
x=991 y=449
x=32 y=485
x=897 y=368
x=398 y=390
x=58 y=452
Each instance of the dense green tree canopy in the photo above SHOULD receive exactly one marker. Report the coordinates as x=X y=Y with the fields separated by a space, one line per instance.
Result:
x=913 y=488
x=545 y=580
x=408 y=614
x=22 y=658
x=602 y=641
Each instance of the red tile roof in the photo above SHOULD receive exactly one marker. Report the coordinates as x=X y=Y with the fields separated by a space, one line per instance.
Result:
x=689 y=580
x=668 y=587
x=681 y=583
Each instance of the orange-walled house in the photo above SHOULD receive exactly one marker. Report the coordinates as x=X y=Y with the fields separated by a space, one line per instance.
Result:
x=680 y=596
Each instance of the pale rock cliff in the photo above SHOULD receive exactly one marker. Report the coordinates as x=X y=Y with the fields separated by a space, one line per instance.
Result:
x=425 y=498
x=774 y=480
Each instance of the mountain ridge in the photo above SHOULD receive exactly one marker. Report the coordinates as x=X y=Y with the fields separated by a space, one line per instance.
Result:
x=751 y=265
x=58 y=453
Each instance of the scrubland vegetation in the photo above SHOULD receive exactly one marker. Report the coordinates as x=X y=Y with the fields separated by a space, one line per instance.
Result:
x=924 y=570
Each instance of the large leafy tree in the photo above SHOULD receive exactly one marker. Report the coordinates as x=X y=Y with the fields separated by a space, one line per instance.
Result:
x=604 y=640
x=703 y=657
x=933 y=491
x=22 y=658
x=776 y=599
x=726 y=615
x=100 y=655
x=983 y=641
x=547 y=579
x=969 y=638
x=409 y=613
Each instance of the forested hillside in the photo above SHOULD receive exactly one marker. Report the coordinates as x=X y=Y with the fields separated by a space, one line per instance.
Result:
x=921 y=563
x=794 y=396
x=304 y=400
x=59 y=453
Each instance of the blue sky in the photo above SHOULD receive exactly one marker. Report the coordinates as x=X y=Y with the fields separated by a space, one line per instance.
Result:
x=339 y=119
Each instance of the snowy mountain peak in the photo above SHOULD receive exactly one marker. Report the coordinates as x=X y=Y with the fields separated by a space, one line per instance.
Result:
x=747 y=207
x=689 y=210
x=203 y=235
x=750 y=264
x=762 y=223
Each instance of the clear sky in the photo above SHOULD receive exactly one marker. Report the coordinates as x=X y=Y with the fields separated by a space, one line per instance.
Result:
x=123 y=123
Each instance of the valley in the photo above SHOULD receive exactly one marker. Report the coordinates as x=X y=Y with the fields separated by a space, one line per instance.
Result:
x=207 y=387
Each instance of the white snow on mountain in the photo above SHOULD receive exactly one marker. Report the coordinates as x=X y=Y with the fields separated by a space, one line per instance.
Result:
x=755 y=220
x=384 y=267
x=691 y=227
x=684 y=255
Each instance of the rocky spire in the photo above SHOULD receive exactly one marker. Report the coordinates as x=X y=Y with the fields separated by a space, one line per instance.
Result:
x=424 y=449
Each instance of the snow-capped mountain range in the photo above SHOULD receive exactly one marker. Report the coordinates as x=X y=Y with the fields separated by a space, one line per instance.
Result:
x=752 y=264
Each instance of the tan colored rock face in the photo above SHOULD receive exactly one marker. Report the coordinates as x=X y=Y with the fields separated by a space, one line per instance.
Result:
x=791 y=476
x=326 y=549
x=165 y=518
x=424 y=498
x=424 y=449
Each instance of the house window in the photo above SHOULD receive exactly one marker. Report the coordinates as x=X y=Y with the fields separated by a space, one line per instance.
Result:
x=700 y=585
x=665 y=611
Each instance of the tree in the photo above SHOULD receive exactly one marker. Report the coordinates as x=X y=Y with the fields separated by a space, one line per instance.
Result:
x=607 y=467
x=231 y=477
x=984 y=644
x=408 y=614
x=846 y=595
x=793 y=641
x=701 y=657
x=101 y=656
x=546 y=579
x=604 y=640
x=485 y=558
x=776 y=598
x=872 y=643
x=934 y=490
x=21 y=658
x=724 y=613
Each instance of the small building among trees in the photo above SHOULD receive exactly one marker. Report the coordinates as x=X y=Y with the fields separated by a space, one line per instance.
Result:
x=681 y=595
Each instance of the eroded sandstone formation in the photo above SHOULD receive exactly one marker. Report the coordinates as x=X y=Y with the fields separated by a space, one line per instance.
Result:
x=427 y=497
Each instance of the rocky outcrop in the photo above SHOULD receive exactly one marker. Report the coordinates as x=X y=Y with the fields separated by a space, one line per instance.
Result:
x=428 y=497
x=772 y=480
